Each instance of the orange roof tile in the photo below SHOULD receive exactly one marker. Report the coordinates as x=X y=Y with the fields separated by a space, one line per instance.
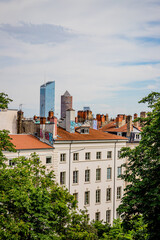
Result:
x=109 y=125
x=26 y=141
x=93 y=135
x=120 y=129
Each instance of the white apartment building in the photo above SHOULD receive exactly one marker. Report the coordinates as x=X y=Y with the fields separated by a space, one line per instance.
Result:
x=84 y=160
x=89 y=166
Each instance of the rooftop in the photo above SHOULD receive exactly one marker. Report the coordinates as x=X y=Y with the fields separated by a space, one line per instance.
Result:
x=26 y=141
x=92 y=135
x=111 y=127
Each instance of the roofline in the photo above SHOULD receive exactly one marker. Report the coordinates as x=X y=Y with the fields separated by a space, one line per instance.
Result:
x=91 y=141
x=18 y=149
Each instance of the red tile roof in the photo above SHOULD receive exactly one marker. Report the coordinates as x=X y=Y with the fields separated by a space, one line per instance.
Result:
x=109 y=125
x=26 y=141
x=112 y=128
x=93 y=135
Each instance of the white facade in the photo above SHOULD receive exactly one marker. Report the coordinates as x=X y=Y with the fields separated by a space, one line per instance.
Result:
x=78 y=182
x=87 y=168
x=8 y=120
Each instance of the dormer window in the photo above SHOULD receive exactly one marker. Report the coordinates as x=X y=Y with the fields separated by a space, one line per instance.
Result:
x=85 y=130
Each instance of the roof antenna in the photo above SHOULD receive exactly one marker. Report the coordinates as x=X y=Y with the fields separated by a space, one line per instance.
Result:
x=45 y=77
x=20 y=107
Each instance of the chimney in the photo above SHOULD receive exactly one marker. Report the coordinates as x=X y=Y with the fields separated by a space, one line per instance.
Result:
x=19 y=121
x=76 y=119
x=118 y=122
x=136 y=123
x=70 y=120
x=107 y=118
x=129 y=125
x=143 y=114
x=42 y=120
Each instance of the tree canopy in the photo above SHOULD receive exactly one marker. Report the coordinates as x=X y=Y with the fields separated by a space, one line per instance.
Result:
x=142 y=196
x=4 y=100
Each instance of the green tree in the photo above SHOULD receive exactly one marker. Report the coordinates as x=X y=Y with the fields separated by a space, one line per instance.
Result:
x=4 y=100
x=33 y=206
x=142 y=196
x=118 y=232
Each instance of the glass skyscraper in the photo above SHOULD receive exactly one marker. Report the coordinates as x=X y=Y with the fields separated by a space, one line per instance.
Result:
x=47 y=98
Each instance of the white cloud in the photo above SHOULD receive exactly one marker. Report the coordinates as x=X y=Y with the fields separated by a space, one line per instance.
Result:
x=95 y=66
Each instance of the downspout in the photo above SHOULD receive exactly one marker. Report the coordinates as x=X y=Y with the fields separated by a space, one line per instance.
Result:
x=114 y=182
x=69 y=182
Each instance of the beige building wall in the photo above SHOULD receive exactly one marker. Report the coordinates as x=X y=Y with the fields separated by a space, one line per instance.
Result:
x=8 y=120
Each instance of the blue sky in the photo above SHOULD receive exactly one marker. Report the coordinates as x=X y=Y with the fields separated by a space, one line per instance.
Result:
x=106 y=53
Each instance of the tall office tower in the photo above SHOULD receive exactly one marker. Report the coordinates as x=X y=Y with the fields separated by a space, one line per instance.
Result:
x=66 y=103
x=47 y=98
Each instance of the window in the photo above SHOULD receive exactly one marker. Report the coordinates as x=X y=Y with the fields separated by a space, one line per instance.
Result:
x=11 y=162
x=75 y=195
x=62 y=157
x=87 y=175
x=85 y=130
x=108 y=194
x=137 y=136
x=87 y=155
x=98 y=155
x=119 y=153
x=108 y=216
x=98 y=174
x=75 y=156
x=62 y=178
x=97 y=216
x=109 y=170
x=119 y=172
x=119 y=192
x=109 y=154
x=98 y=196
x=48 y=159
x=75 y=176
x=86 y=197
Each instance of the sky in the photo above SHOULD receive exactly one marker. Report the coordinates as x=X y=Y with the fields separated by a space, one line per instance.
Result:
x=106 y=53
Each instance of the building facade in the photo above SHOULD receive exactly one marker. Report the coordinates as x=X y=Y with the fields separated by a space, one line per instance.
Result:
x=89 y=167
x=47 y=98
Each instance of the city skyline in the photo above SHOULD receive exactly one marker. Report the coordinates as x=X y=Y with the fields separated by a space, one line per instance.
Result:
x=105 y=53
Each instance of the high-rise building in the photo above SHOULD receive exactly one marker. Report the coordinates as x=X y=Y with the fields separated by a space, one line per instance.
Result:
x=47 y=98
x=66 y=103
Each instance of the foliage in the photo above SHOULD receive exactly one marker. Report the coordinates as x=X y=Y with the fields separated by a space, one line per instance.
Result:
x=117 y=231
x=142 y=173
x=4 y=100
x=33 y=206
x=101 y=227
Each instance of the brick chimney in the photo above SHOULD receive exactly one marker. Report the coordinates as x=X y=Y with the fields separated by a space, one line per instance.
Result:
x=107 y=118
x=136 y=124
x=143 y=114
x=42 y=120
x=19 y=121
x=118 y=122
x=129 y=125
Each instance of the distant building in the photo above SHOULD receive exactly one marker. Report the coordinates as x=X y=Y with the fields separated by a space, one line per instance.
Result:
x=86 y=109
x=66 y=103
x=47 y=98
x=123 y=126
